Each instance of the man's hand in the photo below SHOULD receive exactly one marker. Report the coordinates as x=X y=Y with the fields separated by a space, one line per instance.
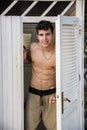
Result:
x=24 y=53
x=25 y=57
x=52 y=100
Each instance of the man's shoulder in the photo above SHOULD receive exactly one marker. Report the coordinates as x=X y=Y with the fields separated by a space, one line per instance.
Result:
x=33 y=45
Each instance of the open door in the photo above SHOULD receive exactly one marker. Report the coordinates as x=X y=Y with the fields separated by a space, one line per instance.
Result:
x=67 y=73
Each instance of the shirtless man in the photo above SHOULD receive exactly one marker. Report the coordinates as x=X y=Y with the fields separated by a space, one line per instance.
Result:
x=41 y=100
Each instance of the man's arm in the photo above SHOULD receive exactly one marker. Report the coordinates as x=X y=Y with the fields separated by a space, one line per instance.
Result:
x=26 y=55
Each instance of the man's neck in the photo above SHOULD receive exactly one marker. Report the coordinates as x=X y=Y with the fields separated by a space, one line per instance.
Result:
x=47 y=49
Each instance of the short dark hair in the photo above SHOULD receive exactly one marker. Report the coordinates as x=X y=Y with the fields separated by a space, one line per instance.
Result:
x=44 y=25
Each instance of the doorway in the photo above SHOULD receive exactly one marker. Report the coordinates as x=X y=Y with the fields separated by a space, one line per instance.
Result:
x=29 y=36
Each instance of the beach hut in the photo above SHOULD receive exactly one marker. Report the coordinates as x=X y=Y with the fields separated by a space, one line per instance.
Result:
x=18 y=17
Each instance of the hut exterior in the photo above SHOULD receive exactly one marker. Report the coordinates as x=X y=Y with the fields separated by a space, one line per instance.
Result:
x=69 y=39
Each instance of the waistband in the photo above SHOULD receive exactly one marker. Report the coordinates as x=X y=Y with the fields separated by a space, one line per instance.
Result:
x=42 y=92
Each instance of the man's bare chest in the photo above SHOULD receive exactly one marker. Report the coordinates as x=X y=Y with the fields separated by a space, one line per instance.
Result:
x=40 y=60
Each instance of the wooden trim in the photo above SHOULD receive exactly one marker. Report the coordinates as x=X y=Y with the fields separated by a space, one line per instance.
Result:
x=37 y=19
x=49 y=8
x=29 y=8
x=1 y=83
x=48 y=0
x=67 y=8
x=9 y=7
x=80 y=14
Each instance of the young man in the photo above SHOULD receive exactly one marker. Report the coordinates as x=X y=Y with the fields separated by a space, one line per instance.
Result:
x=42 y=90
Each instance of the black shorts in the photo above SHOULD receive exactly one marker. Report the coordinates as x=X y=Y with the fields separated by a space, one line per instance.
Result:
x=42 y=92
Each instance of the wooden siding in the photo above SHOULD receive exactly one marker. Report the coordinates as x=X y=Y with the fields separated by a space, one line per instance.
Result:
x=11 y=73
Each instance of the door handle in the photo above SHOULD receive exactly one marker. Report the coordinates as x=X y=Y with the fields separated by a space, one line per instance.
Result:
x=64 y=99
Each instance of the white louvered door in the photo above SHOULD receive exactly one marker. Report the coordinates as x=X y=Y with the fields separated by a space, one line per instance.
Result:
x=67 y=73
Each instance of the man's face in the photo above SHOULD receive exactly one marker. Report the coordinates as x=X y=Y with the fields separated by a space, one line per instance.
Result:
x=45 y=37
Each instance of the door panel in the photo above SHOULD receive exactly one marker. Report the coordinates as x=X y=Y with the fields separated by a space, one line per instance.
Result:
x=67 y=75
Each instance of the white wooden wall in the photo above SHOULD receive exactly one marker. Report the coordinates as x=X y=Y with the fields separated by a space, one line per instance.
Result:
x=11 y=74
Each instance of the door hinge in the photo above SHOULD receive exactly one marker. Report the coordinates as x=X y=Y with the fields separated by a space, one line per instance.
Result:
x=82 y=104
x=80 y=30
x=79 y=77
